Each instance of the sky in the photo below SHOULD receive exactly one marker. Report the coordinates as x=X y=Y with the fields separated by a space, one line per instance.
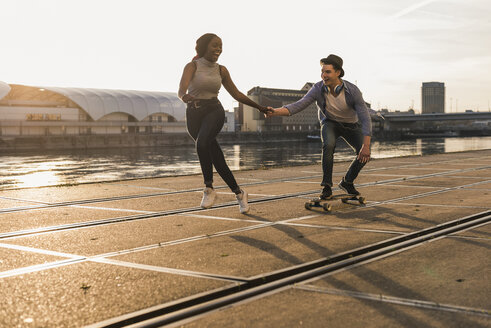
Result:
x=389 y=47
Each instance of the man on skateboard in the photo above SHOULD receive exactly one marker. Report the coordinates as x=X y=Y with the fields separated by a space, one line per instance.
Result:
x=342 y=113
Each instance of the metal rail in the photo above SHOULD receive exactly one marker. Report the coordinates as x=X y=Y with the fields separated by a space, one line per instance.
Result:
x=175 y=312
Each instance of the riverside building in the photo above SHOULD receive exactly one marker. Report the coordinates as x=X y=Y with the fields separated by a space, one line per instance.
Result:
x=249 y=119
x=54 y=111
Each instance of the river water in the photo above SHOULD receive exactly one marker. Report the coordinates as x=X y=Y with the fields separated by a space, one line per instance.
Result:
x=20 y=170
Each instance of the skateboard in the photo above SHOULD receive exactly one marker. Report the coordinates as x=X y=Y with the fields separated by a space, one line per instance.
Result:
x=324 y=203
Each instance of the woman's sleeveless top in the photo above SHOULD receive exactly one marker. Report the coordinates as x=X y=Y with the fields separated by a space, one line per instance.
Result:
x=206 y=81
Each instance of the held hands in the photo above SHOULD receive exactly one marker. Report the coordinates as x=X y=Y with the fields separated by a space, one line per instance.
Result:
x=282 y=111
x=266 y=110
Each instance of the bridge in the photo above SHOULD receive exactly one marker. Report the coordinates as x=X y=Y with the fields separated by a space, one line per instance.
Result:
x=451 y=124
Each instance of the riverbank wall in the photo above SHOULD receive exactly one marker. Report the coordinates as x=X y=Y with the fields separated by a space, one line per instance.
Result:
x=23 y=143
x=132 y=140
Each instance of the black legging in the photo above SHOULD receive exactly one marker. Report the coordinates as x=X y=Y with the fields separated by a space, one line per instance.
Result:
x=204 y=124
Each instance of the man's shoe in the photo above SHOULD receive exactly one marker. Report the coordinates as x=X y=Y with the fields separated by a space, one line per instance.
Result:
x=209 y=197
x=326 y=193
x=348 y=187
x=242 y=199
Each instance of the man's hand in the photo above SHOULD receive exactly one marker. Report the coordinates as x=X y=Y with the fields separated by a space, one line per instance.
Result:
x=282 y=111
x=364 y=155
x=272 y=112
x=266 y=110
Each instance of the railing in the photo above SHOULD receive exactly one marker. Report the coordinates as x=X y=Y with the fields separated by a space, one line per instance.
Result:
x=18 y=128
x=61 y=123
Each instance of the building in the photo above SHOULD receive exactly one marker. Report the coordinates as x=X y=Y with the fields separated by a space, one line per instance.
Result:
x=229 y=125
x=433 y=97
x=44 y=111
x=249 y=119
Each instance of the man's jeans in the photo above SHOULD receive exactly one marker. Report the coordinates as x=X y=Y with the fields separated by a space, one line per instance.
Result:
x=330 y=132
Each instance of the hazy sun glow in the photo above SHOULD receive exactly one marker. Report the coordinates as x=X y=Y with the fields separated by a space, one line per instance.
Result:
x=389 y=47
x=42 y=174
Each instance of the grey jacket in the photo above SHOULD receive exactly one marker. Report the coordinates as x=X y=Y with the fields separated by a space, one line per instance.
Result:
x=354 y=100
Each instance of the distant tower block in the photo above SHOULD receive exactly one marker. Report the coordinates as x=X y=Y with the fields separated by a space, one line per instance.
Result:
x=433 y=97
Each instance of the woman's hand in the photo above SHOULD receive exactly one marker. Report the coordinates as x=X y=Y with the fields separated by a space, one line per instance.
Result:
x=265 y=110
x=187 y=98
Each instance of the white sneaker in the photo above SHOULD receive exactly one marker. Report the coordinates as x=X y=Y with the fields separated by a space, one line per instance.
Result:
x=242 y=199
x=209 y=197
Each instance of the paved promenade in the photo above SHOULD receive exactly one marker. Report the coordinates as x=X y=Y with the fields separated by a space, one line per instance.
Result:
x=142 y=253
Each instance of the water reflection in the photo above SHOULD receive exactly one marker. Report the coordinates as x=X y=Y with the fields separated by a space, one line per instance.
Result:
x=68 y=167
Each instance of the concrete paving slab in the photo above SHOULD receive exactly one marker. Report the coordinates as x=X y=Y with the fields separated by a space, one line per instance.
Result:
x=254 y=252
x=483 y=186
x=273 y=189
x=413 y=171
x=438 y=182
x=478 y=154
x=450 y=271
x=316 y=180
x=277 y=173
x=11 y=259
x=391 y=217
x=366 y=177
x=70 y=193
x=243 y=177
x=86 y=293
x=313 y=171
x=8 y=203
x=455 y=165
x=33 y=219
x=467 y=197
x=126 y=235
x=397 y=161
x=303 y=308
x=163 y=184
x=484 y=173
x=389 y=192
x=483 y=232
x=165 y=202
x=268 y=212
x=475 y=154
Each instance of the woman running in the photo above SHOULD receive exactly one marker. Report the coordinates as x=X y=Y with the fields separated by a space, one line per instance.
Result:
x=200 y=82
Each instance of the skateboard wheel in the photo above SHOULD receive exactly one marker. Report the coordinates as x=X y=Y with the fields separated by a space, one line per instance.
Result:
x=327 y=207
x=308 y=206
x=361 y=200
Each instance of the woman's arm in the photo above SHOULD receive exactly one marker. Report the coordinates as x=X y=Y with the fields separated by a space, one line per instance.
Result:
x=187 y=76
x=235 y=93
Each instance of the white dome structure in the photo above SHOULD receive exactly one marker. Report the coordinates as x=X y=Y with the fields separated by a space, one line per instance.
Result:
x=41 y=110
x=98 y=103
x=4 y=89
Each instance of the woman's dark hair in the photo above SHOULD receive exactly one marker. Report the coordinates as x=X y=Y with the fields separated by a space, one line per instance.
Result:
x=202 y=43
